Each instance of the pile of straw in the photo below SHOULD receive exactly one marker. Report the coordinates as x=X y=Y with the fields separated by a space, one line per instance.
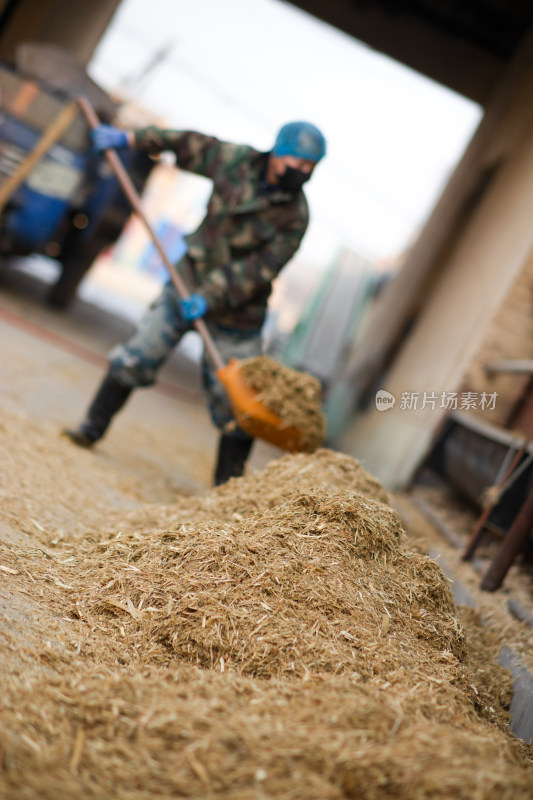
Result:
x=140 y=734
x=277 y=482
x=275 y=638
x=319 y=584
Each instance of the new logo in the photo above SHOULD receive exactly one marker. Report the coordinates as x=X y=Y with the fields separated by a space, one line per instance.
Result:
x=384 y=400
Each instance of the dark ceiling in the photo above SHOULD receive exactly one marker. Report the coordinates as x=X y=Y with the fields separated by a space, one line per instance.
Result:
x=463 y=44
x=493 y=25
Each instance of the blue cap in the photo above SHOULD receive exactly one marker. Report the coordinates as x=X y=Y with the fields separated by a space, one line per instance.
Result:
x=300 y=139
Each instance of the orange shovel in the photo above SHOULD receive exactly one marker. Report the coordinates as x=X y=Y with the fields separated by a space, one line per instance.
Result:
x=251 y=415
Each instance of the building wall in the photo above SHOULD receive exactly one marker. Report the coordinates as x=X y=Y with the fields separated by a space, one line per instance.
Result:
x=77 y=27
x=497 y=136
x=484 y=259
x=510 y=337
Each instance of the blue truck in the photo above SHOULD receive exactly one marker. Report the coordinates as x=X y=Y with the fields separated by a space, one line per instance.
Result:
x=70 y=206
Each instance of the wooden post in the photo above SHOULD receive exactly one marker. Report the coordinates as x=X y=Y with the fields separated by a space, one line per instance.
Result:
x=511 y=546
x=477 y=533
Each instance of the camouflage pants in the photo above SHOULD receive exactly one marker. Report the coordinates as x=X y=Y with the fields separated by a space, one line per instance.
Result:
x=137 y=362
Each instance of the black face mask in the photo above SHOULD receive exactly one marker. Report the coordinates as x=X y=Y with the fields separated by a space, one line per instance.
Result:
x=292 y=179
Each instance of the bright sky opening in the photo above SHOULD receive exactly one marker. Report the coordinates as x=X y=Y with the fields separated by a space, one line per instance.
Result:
x=239 y=69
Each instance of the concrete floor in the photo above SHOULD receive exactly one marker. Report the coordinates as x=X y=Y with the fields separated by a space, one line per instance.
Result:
x=54 y=360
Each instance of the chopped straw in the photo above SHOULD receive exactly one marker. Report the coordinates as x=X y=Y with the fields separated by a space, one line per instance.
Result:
x=275 y=638
x=294 y=396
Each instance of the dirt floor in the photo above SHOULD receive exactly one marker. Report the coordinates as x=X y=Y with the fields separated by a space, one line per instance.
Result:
x=80 y=702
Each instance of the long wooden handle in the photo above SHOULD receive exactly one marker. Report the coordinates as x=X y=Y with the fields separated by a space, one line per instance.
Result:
x=52 y=133
x=135 y=201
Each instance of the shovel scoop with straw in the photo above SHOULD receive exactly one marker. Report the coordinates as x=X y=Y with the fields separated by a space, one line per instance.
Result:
x=250 y=413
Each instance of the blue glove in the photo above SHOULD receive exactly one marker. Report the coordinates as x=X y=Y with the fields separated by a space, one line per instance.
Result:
x=106 y=136
x=193 y=308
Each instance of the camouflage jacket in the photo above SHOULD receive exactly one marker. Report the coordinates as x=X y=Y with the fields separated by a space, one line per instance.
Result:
x=246 y=236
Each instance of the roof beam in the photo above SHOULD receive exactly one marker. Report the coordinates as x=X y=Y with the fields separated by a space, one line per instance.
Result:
x=450 y=60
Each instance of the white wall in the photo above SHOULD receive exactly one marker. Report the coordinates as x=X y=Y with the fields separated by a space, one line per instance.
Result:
x=482 y=265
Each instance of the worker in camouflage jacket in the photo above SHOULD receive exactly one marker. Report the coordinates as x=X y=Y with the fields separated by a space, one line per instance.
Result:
x=256 y=217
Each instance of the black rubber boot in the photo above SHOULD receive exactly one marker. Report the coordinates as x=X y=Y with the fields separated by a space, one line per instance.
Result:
x=109 y=399
x=232 y=454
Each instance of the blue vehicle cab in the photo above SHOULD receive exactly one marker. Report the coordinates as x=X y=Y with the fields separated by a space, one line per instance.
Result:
x=70 y=206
